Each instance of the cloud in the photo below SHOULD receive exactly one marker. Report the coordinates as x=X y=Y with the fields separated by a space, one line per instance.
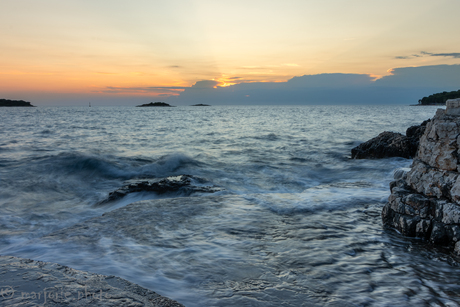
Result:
x=455 y=55
x=435 y=76
x=167 y=90
x=328 y=80
x=404 y=86
x=452 y=54
x=205 y=84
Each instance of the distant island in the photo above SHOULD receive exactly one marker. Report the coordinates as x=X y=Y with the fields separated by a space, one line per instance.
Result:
x=14 y=103
x=439 y=98
x=155 y=104
x=200 y=105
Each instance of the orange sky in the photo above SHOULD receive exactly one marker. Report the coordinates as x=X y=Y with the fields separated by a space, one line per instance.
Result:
x=94 y=47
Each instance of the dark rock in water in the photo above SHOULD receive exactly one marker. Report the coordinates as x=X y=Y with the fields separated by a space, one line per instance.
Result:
x=200 y=105
x=14 y=103
x=385 y=145
x=155 y=104
x=182 y=184
x=391 y=144
x=35 y=283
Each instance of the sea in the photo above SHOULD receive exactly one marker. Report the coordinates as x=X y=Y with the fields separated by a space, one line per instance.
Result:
x=307 y=231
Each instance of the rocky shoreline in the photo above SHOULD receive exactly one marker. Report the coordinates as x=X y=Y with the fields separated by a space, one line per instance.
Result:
x=425 y=201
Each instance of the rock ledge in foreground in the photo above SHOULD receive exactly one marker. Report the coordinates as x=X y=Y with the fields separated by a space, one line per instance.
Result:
x=35 y=283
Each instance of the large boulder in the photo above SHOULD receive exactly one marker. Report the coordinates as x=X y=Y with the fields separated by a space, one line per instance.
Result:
x=387 y=144
x=391 y=144
x=425 y=201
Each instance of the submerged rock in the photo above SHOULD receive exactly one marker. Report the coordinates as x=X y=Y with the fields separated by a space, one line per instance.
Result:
x=181 y=184
x=35 y=283
x=425 y=201
x=391 y=144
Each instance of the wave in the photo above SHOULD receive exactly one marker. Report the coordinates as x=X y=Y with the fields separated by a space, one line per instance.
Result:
x=112 y=167
x=323 y=198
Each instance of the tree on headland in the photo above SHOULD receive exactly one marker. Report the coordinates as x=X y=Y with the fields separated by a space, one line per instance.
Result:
x=439 y=98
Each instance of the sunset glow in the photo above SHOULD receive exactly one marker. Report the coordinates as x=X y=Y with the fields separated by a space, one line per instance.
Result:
x=97 y=47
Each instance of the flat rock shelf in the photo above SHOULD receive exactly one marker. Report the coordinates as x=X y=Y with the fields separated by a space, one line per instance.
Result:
x=35 y=283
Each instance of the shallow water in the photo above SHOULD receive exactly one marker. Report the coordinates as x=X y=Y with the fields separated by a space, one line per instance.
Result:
x=297 y=224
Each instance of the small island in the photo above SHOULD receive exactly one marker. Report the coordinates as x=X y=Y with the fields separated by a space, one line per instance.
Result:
x=14 y=103
x=200 y=105
x=155 y=104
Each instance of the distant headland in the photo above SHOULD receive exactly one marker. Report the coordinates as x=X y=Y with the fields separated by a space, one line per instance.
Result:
x=14 y=103
x=439 y=98
x=155 y=104
x=200 y=105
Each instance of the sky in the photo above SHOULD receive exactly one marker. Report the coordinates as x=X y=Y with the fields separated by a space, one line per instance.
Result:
x=119 y=52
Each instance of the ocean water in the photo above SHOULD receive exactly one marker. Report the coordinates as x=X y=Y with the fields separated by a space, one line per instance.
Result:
x=297 y=222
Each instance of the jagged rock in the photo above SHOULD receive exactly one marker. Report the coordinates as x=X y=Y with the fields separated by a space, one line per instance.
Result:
x=417 y=131
x=417 y=215
x=391 y=144
x=387 y=144
x=182 y=184
x=425 y=201
x=35 y=283
x=439 y=144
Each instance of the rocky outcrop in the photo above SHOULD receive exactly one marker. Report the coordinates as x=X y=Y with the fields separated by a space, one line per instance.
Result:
x=387 y=144
x=391 y=144
x=425 y=201
x=35 y=283
x=183 y=185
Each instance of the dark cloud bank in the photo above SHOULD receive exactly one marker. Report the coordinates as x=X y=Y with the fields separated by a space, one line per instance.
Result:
x=405 y=86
